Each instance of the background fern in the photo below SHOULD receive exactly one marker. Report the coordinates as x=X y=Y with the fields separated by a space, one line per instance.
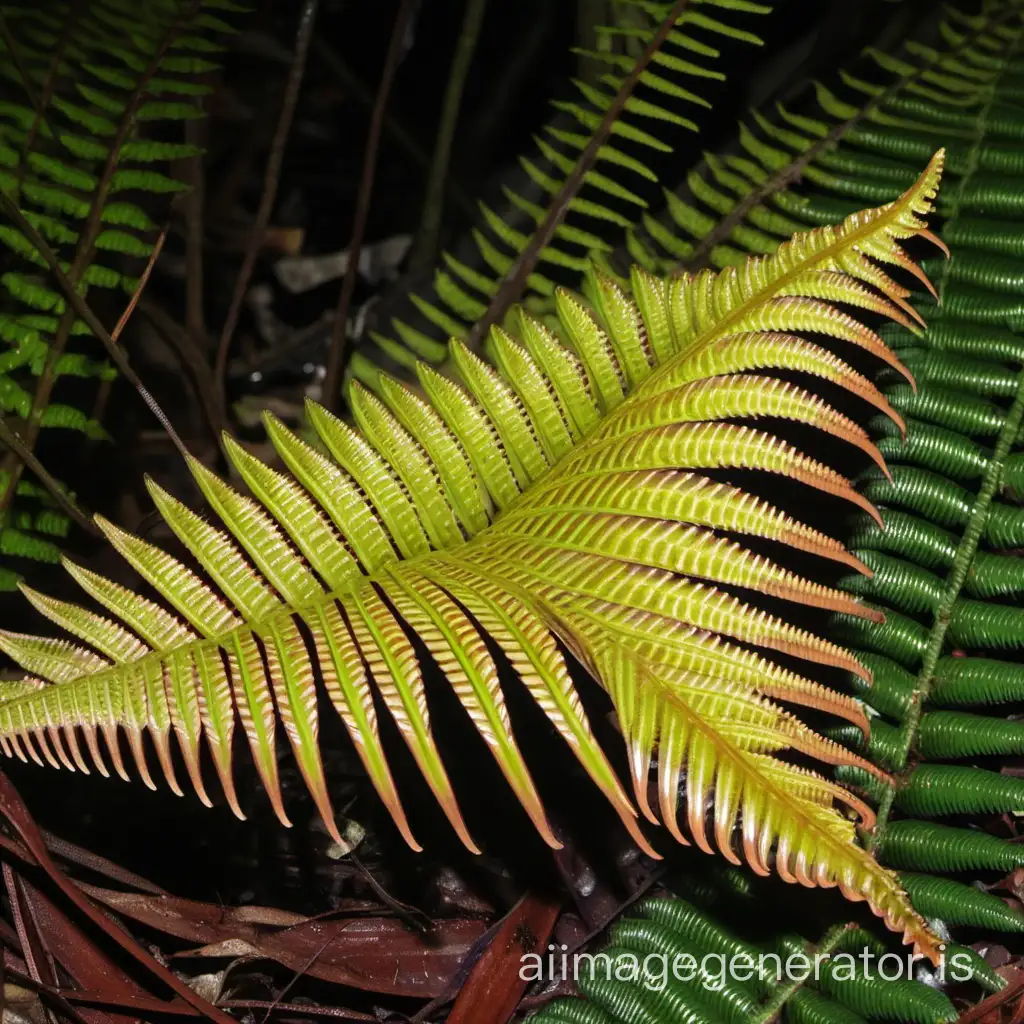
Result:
x=83 y=152
x=615 y=193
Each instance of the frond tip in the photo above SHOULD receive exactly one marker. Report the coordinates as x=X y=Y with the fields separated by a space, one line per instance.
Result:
x=558 y=501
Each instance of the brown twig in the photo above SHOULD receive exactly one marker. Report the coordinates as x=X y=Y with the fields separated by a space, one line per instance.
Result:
x=336 y=356
x=33 y=952
x=270 y=182
x=103 y=395
x=122 y=322
x=297 y=976
x=515 y=280
x=11 y=440
x=412 y=916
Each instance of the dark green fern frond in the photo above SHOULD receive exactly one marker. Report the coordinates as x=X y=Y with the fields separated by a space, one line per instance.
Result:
x=712 y=974
x=80 y=157
x=615 y=193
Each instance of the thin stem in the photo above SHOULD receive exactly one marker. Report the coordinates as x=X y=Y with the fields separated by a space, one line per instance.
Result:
x=515 y=280
x=393 y=128
x=339 y=330
x=122 y=321
x=103 y=395
x=965 y=553
x=9 y=438
x=433 y=202
x=968 y=546
x=829 y=942
x=271 y=178
x=793 y=171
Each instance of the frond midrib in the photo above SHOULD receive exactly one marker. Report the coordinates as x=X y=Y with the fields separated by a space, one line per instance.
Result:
x=844 y=240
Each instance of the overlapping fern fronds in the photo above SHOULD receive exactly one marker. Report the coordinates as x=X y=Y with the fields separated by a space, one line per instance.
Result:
x=562 y=498
x=79 y=157
x=942 y=568
x=614 y=194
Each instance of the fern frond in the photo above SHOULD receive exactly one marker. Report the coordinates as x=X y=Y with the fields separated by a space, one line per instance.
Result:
x=80 y=168
x=613 y=193
x=677 y=931
x=585 y=519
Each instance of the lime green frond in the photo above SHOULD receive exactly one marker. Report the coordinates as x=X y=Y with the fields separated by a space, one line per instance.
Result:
x=557 y=500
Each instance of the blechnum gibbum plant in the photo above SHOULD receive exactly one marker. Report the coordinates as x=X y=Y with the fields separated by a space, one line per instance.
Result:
x=93 y=85
x=558 y=498
x=503 y=418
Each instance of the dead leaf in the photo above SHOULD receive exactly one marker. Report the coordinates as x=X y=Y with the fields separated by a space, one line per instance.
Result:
x=495 y=985
x=376 y=954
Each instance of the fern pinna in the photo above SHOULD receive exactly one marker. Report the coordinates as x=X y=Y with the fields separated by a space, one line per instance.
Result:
x=614 y=193
x=78 y=157
x=562 y=496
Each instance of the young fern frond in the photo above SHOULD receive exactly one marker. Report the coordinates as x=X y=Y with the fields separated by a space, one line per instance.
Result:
x=613 y=191
x=76 y=158
x=583 y=516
